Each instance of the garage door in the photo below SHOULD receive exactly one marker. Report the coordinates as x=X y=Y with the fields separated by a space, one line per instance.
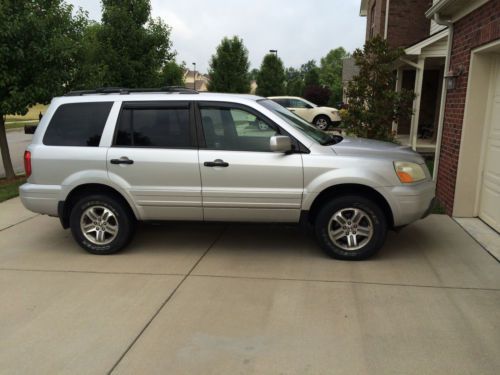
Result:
x=489 y=209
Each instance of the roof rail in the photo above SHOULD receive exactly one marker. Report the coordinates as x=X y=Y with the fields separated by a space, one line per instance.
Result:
x=126 y=91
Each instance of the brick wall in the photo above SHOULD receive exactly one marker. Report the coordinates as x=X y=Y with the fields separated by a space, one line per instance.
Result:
x=477 y=28
x=407 y=22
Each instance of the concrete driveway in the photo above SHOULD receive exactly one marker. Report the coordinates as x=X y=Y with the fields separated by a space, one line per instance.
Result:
x=244 y=299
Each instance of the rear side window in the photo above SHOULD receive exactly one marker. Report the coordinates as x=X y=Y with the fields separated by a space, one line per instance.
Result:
x=154 y=127
x=77 y=124
x=283 y=102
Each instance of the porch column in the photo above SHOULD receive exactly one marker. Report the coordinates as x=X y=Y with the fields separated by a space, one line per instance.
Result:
x=419 y=77
x=399 y=84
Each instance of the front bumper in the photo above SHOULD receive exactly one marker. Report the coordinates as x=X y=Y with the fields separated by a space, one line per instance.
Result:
x=410 y=202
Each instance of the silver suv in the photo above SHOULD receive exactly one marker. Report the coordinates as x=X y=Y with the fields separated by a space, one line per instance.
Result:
x=103 y=160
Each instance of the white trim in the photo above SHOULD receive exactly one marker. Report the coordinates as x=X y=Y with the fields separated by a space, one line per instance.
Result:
x=419 y=78
x=467 y=7
x=416 y=49
x=467 y=198
x=486 y=132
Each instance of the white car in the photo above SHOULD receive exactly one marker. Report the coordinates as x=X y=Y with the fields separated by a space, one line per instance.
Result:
x=321 y=117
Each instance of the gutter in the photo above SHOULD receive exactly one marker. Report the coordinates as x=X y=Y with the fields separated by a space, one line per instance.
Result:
x=444 y=91
x=387 y=2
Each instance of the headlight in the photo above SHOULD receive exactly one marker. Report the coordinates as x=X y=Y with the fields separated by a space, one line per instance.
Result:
x=409 y=172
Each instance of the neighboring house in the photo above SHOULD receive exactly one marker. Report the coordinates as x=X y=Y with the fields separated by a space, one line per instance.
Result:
x=349 y=70
x=457 y=87
x=196 y=80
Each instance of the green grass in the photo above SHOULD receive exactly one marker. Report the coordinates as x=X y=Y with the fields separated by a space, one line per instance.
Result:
x=10 y=189
x=32 y=114
x=17 y=124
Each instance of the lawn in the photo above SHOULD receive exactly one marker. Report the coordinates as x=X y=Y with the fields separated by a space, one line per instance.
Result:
x=32 y=114
x=10 y=189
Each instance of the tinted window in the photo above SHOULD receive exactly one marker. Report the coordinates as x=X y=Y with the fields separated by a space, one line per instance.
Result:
x=283 y=102
x=158 y=127
x=235 y=129
x=77 y=124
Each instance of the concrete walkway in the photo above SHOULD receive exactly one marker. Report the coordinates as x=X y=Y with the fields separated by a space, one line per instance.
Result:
x=245 y=299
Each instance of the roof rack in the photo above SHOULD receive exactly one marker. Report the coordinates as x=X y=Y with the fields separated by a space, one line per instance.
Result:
x=126 y=91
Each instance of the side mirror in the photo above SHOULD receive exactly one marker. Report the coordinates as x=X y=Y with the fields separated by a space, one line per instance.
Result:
x=281 y=143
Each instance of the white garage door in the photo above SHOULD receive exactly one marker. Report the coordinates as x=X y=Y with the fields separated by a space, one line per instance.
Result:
x=489 y=209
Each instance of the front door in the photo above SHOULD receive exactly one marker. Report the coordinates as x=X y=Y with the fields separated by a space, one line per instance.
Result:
x=154 y=155
x=302 y=109
x=242 y=180
x=489 y=209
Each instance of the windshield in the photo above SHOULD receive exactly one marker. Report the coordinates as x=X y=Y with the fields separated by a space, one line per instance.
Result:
x=310 y=103
x=299 y=124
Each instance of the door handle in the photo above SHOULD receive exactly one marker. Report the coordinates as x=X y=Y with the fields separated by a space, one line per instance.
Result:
x=122 y=160
x=216 y=163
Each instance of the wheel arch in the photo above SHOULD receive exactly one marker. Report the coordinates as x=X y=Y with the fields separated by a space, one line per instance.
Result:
x=64 y=207
x=350 y=189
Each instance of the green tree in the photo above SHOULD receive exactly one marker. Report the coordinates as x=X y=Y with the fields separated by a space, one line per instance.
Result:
x=253 y=74
x=133 y=47
x=39 y=45
x=373 y=102
x=271 y=77
x=310 y=72
x=294 y=82
x=330 y=73
x=90 y=72
x=172 y=74
x=228 y=68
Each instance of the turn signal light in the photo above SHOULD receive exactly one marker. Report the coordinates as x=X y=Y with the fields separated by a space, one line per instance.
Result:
x=404 y=177
x=27 y=163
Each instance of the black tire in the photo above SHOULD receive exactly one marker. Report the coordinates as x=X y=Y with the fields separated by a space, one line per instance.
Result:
x=121 y=216
x=322 y=122
x=372 y=215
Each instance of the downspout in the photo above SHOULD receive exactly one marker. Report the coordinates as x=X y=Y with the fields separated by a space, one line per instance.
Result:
x=386 y=17
x=444 y=91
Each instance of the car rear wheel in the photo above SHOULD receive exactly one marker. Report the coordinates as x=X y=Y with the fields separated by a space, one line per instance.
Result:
x=322 y=122
x=101 y=224
x=351 y=228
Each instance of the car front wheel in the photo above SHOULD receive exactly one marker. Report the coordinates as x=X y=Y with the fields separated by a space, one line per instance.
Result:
x=322 y=122
x=351 y=228
x=101 y=224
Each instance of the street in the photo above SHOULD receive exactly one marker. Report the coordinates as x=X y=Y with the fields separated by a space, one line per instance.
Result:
x=18 y=141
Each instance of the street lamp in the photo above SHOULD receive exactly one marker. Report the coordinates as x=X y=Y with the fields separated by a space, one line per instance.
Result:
x=194 y=76
x=275 y=51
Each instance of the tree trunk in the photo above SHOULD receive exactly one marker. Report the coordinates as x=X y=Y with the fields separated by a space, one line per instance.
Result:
x=4 y=148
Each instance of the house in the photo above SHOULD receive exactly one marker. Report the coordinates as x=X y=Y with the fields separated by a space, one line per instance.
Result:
x=349 y=70
x=454 y=71
x=196 y=80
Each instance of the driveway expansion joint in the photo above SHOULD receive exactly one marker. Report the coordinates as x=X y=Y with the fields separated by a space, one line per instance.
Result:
x=19 y=222
x=349 y=282
x=169 y=297
x=93 y=272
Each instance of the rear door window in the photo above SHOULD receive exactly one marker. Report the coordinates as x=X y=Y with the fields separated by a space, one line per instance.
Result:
x=154 y=127
x=77 y=124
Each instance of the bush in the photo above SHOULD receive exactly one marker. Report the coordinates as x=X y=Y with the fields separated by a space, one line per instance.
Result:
x=317 y=94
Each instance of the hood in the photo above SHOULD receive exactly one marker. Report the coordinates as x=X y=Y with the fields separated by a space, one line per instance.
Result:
x=369 y=147
x=328 y=108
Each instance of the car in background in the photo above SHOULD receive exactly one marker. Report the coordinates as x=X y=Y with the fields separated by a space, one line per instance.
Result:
x=321 y=117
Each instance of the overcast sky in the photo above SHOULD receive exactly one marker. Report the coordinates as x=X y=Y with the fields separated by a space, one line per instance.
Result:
x=299 y=30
